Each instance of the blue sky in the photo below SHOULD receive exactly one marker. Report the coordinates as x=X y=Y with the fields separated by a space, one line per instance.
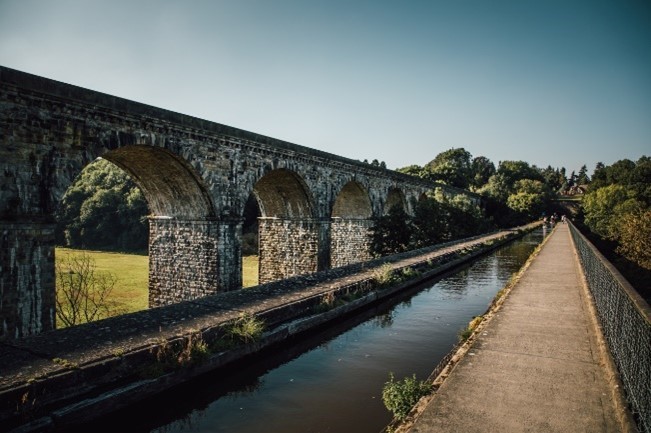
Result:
x=560 y=83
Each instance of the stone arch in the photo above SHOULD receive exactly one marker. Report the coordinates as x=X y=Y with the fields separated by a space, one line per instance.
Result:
x=184 y=240
x=281 y=193
x=352 y=202
x=395 y=197
x=288 y=233
x=171 y=186
x=350 y=224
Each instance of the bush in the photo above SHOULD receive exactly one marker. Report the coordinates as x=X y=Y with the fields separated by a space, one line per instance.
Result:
x=635 y=238
x=400 y=396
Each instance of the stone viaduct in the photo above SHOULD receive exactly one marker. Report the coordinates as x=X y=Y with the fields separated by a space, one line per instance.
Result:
x=315 y=208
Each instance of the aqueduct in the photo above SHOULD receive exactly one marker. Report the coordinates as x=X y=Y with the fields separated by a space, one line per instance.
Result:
x=315 y=207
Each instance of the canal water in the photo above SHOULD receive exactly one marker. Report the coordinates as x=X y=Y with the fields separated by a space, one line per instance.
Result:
x=332 y=380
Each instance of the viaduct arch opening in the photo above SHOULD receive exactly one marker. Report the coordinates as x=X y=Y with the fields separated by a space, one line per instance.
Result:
x=184 y=234
x=102 y=210
x=395 y=197
x=182 y=238
x=288 y=232
x=349 y=230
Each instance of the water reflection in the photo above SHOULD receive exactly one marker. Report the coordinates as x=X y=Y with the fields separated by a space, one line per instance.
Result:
x=332 y=381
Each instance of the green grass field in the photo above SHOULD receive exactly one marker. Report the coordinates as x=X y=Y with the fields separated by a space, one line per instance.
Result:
x=132 y=271
x=249 y=271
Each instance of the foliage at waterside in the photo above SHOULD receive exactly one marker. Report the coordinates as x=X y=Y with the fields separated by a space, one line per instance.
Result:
x=437 y=218
x=466 y=332
x=245 y=329
x=400 y=396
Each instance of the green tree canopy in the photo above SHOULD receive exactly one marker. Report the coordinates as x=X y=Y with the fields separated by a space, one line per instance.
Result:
x=103 y=209
x=582 y=178
x=412 y=170
x=452 y=167
x=482 y=169
x=516 y=170
x=604 y=208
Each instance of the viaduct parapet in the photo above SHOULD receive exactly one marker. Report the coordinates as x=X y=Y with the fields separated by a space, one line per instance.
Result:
x=316 y=208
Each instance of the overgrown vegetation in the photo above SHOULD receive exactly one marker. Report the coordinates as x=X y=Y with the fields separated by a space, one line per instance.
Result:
x=194 y=350
x=437 y=218
x=465 y=333
x=616 y=214
x=384 y=275
x=245 y=329
x=172 y=356
x=399 y=397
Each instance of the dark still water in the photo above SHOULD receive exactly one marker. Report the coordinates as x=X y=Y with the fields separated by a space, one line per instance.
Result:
x=332 y=381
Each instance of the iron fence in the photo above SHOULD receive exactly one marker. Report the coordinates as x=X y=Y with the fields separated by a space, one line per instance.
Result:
x=626 y=322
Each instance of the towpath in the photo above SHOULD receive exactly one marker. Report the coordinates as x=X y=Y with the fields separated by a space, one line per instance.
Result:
x=538 y=365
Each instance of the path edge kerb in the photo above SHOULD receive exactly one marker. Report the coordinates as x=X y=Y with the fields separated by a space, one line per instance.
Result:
x=449 y=362
x=624 y=415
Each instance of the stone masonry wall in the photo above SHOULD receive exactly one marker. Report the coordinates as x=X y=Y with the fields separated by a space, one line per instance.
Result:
x=350 y=241
x=183 y=260
x=27 y=268
x=194 y=172
x=287 y=247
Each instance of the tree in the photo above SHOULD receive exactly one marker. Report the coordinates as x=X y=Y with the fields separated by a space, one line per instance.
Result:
x=640 y=180
x=620 y=172
x=598 y=177
x=582 y=178
x=634 y=236
x=529 y=205
x=571 y=181
x=530 y=199
x=452 y=167
x=605 y=207
x=103 y=209
x=618 y=208
x=436 y=219
x=82 y=293
x=512 y=171
x=498 y=188
x=482 y=169
x=390 y=233
x=412 y=170
x=430 y=223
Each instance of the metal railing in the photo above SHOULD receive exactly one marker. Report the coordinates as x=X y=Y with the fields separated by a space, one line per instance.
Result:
x=625 y=319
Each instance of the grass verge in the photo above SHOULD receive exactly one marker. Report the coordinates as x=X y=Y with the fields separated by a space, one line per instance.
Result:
x=131 y=293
